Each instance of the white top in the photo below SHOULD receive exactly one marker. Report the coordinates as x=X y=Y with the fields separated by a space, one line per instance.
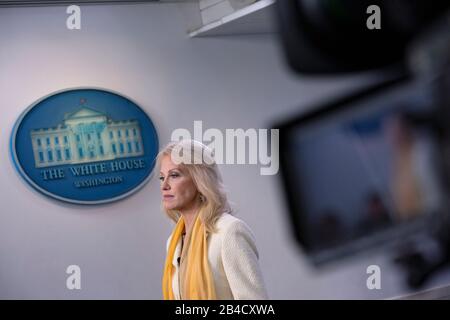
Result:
x=233 y=260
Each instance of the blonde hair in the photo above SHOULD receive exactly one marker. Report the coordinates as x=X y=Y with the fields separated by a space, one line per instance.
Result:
x=203 y=170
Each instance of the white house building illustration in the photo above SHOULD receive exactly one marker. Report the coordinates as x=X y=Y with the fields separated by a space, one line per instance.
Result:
x=86 y=135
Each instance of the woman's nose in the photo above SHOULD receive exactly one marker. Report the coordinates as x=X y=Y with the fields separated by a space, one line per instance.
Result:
x=165 y=185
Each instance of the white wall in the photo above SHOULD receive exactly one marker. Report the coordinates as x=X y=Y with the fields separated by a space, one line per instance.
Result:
x=143 y=52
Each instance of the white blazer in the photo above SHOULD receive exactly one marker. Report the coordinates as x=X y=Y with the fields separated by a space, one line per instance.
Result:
x=233 y=259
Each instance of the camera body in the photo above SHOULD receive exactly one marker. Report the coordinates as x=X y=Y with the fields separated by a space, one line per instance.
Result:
x=332 y=36
x=404 y=132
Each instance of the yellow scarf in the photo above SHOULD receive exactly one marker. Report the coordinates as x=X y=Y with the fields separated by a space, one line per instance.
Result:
x=199 y=282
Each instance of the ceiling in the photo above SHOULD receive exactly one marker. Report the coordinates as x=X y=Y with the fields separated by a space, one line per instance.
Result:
x=17 y=3
x=257 y=18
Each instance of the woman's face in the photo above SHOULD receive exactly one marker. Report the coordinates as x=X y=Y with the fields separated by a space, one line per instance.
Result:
x=177 y=188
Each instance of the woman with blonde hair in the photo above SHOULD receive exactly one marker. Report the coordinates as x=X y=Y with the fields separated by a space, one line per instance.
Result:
x=210 y=254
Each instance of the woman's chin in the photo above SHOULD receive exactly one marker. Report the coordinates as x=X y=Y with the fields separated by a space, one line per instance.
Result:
x=170 y=207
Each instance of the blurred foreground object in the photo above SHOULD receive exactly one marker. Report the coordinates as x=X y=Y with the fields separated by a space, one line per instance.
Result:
x=371 y=169
x=331 y=36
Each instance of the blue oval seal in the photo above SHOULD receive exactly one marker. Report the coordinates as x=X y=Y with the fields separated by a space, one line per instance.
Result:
x=85 y=146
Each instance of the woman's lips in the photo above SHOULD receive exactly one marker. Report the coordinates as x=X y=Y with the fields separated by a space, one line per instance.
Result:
x=167 y=197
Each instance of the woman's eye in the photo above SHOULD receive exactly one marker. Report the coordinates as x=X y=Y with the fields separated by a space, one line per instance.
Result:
x=174 y=175
x=161 y=178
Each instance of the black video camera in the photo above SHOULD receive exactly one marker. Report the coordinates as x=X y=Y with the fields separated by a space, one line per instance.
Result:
x=371 y=169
